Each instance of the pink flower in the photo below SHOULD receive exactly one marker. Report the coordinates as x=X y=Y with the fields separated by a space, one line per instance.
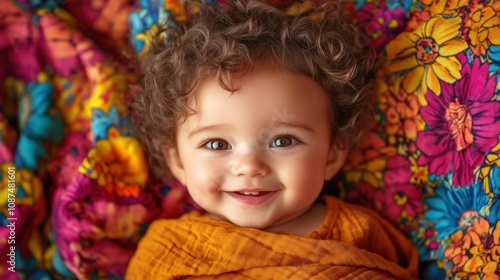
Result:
x=380 y=23
x=463 y=124
x=70 y=154
x=65 y=48
x=399 y=195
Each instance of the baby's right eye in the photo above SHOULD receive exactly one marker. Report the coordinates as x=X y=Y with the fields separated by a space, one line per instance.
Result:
x=217 y=144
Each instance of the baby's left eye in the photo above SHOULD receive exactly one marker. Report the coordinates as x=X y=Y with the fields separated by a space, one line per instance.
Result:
x=283 y=141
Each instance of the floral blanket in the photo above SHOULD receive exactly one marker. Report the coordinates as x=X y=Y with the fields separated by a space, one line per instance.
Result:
x=75 y=192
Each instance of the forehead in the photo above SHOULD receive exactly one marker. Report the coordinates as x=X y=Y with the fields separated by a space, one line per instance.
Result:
x=263 y=94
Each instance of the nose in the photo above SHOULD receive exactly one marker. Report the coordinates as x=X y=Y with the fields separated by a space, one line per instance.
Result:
x=249 y=164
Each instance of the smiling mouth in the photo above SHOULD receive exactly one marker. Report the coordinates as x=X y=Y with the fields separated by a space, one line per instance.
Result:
x=252 y=198
x=252 y=193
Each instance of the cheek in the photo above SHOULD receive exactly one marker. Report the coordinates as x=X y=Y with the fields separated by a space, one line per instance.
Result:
x=303 y=173
x=203 y=181
x=204 y=175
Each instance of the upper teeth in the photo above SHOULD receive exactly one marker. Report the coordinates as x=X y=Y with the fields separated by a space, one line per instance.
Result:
x=250 y=193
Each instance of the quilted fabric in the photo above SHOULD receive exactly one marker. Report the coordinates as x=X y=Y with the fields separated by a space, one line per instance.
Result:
x=82 y=197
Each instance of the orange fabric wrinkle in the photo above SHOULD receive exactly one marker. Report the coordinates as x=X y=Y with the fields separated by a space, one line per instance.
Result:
x=352 y=242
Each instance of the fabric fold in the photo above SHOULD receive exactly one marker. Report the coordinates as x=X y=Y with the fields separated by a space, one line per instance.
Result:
x=203 y=248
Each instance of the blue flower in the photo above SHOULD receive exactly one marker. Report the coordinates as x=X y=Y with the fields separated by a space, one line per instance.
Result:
x=494 y=184
x=37 y=124
x=404 y=4
x=102 y=122
x=446 y=208
x=494 y=179
x=60 y=267
x=142 y=20
x=494 y=216
x=494 y=55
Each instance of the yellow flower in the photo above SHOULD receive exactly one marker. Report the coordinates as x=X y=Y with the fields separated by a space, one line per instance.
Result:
x=420 y=173
x=445 y=7
x=109 y=88
x=118 y=164
x=491 y=160
x=27 y=191
x=484 y=24
x=491 y=267
x=146 y=37
x=427 y=55
x=484 y=259
x=31 y=185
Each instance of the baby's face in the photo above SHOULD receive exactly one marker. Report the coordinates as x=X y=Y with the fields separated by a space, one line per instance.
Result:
x=257 y=157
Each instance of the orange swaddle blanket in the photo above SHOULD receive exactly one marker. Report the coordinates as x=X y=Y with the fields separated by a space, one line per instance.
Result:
x=196 y=245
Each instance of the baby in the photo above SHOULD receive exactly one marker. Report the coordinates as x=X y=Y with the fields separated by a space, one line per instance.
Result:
x=253 y=109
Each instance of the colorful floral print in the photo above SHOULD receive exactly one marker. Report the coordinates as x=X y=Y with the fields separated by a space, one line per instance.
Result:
x=484 y=27
x=399 y=197
x=438 y=114
x=450 y=209
x=380 y=23
x=430 y=162
x=460 y=122
x=428 y=55
x=37 y=123
x=117 y=164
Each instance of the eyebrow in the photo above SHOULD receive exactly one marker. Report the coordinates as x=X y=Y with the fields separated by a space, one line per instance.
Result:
x=294 y=125
x=202 y=129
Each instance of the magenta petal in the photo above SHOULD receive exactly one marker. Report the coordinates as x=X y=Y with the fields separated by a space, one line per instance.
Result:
x=398 y=170
x=434 y=112
x=485 y=139
x=438 y=147
x=434 y=142
x=414 y=207
x=412 y=192
x=462 y=173
x=410 y=211
x=461 y=179
x=472 y=156
x=395 y=177
x=433 y=117
x=485 y=125
x=440 y=165
x=437 y=151
x=448 y=94
x=481 y=87
x=480 y=111
x=462 y=58
x=424 y=160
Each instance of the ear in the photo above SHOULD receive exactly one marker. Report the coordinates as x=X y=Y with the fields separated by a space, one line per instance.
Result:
x=174 y=163
x=336 y=158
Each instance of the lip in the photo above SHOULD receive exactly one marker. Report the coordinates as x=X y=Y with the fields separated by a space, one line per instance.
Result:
x=252 y=199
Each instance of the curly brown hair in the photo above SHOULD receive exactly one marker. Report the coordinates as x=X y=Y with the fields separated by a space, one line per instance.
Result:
x=231 y=41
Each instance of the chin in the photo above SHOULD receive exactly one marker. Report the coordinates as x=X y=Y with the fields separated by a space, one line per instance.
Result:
x=251 y=224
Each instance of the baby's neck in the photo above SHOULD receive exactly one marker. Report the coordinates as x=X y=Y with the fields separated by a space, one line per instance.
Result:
x=304 y=224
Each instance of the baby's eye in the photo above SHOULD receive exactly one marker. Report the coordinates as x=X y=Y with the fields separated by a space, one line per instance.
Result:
x=217 y=145
x=283 y=141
